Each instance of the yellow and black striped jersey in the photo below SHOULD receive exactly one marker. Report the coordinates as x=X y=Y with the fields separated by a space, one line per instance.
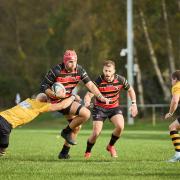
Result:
x=176 y=88
x=24 y=112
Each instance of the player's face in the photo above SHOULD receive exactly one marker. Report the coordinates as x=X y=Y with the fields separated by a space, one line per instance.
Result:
x=71 y=65
x=173 y=81
x=109 y=72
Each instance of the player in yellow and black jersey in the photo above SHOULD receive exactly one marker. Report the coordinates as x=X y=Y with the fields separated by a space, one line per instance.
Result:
x=175 y=125
x=25 y=112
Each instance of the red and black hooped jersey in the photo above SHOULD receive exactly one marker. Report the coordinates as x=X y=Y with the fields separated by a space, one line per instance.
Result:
x=68 y=79
x=111 y=90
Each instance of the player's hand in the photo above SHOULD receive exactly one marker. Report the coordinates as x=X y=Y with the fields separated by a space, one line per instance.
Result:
x=103 y=99
x=87 y=104
x=168 y=115
x=133 y=109
x=60 y=94
x=77 y=98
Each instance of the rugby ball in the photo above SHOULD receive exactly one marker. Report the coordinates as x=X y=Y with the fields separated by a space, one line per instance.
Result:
x=57 y=86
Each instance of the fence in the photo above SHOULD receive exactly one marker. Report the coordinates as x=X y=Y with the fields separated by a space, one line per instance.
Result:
x=154 y=111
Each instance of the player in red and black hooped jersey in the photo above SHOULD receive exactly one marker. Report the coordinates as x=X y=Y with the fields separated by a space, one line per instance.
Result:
x=110 y=90
x=69 y=79
x=110 y=85
x=69 y=73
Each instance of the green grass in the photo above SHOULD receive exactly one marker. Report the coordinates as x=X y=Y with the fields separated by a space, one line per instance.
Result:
x=33 y=155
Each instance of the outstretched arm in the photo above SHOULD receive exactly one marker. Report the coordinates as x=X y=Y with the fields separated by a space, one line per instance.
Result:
x=92 y=87
x=133 y=108
x=87 y=98
x=173 y=105
x=63 y=104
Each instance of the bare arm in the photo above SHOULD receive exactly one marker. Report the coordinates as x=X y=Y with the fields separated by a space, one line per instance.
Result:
x=132 y=95
x=92 y=87
x=173 y=105
x=52 y=94
x=87 y=98
x=62 y=105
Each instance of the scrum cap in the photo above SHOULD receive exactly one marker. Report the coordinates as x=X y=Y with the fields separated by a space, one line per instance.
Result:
x=69 y=55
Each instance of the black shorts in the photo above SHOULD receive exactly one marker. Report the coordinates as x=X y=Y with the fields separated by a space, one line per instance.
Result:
x=67 y=110
x=101 y=114
x=5 y=130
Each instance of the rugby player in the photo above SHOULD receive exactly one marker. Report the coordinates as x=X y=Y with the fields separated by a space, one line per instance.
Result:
x=110 y=85
x=175 y=125
x=69 y=73
x=25 y=112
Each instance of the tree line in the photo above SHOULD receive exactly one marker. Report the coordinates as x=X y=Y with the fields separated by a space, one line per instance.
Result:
x=35 y=34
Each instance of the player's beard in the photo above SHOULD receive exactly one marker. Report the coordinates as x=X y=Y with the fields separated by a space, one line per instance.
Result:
x=109 y=78
x=70 y=69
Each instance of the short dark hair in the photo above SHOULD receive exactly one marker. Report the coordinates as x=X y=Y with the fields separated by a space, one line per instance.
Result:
x=109 y=63
x=176 y=75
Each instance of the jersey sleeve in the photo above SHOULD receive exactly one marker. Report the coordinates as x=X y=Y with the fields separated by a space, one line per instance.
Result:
x=124 y=82
x=83 y=74
x=98 y=81
x=50 y=78
x=176 y=90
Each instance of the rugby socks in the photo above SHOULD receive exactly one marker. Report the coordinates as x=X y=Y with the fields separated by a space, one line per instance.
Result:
x=65 y=149
x=113 y=140
x=67 y=130
x=89 y=146
x=175 y=140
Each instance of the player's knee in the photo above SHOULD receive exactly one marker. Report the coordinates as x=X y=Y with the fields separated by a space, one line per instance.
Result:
x=85 y=114
x=119 y=128
x=76 y=129
x=95 y=134
x=172 y=127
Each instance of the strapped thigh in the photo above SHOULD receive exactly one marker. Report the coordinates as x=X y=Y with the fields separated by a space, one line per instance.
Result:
x=78 y=109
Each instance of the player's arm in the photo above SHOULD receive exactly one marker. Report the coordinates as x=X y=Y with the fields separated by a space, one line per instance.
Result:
x=94 y=90
x=91 y=86
x=132 y=95
x=87 y=98
x=63 y=104
x=48 y=81
x=173 y=105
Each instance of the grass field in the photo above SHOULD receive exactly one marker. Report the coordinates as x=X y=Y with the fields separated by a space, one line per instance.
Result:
x=142 y=153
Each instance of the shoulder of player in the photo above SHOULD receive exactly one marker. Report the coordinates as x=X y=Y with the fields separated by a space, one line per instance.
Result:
x=99 y=79
x=120 y=78
x=56 y=69
x=176 y=88
x=79 y=67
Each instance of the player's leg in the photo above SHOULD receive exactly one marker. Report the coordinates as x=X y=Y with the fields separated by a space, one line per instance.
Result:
x=82 y=115
x=173 y=128
x=5 y=130
x=4 y=142
x=97 y=127
x=99 y=117
x=118 y=120
x=64 y=153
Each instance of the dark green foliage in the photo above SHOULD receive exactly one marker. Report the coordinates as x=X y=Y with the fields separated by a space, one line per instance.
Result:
x=34 y=35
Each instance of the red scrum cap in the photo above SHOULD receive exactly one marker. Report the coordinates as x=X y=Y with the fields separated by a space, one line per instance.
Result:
x=69 y=55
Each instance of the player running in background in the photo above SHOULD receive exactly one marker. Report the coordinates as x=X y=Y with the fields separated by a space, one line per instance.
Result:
x=175 y=125
x=69 y=73
x=25 y=112
x=110 y=85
